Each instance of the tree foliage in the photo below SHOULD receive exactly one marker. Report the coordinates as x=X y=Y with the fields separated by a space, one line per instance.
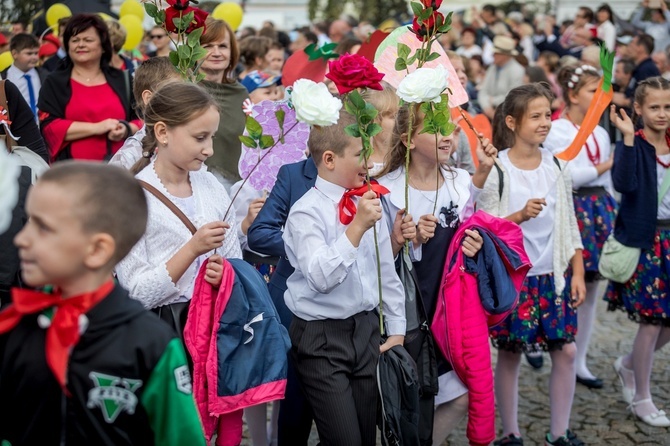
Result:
x=21 y=10
x=374 y=11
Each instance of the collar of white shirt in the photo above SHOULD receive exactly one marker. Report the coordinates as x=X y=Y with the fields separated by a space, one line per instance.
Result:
x=14 y=73
x=330 y=190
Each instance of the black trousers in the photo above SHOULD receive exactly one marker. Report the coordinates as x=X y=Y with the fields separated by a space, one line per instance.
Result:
x=336 y=362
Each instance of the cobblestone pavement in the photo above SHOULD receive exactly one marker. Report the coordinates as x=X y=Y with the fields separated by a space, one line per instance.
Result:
x=599 y=417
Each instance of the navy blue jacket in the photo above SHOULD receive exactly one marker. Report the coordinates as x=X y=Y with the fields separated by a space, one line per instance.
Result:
x=265 y=234
x=634 y=175
x=645 y=69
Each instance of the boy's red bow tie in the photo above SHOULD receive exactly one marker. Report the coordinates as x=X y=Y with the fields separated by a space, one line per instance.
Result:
x=63 y=333
x=347 y=206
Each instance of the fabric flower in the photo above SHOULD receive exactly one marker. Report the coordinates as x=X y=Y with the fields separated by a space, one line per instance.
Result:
x=9 y=187
x=435 y=4
x=172 y=13
x=428 y=26
x=424 y=85
x=352 y=71
x=293 y=150
x=180 y=4
x=314 y=104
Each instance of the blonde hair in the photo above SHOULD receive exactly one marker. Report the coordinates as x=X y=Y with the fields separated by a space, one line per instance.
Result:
x=117 y=34
x=386 y=101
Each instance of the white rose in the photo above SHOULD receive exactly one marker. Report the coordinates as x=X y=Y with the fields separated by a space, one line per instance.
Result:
x=314 y=104
x=424 y=85
x=9 y=187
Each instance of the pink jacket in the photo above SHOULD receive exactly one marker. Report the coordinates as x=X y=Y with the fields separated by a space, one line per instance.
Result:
x=460 y=325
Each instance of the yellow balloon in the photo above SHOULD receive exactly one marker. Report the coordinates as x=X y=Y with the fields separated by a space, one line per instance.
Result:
x=134 y=31
x=6 y=60
x=131 y=7
x=106 y=17
x=230 y=12
x=56 y=12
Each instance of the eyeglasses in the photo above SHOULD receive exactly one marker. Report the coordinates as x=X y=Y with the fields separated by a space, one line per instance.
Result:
x=154 y=36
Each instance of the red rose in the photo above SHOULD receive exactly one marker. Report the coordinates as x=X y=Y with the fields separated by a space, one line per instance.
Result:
x=172 y=13
x=178 y=4
x=352 y=71
x=428 y=26
x=435 y=4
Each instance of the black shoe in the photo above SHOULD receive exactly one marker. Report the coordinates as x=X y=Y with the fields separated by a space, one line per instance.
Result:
x=595 y=383
x=510 y=440
x=535 y=362
x=574 y=439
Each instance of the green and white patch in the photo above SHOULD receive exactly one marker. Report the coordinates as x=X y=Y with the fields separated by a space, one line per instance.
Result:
x=113 y=395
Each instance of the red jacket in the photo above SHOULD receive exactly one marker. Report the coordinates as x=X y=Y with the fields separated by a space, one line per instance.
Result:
x=461 y=324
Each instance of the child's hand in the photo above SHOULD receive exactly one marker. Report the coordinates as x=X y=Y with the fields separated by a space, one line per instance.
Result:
x=472 y=243
x=208 y=237
x=486 y=152
x=214 y=270
x=369 y=211
x=425 y=229
x=391 y=341
x=577 y=290
x=254 y=208
x=403 y=228
x=533 y=208
x=623 y=123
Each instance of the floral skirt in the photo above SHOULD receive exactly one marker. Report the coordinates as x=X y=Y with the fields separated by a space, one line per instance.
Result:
x=645 y=296
x=596 y=213
x=541 y=320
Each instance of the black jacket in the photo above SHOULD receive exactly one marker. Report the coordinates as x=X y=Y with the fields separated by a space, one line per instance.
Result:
x=127 y=376
x=24 y=126
x=56 y=93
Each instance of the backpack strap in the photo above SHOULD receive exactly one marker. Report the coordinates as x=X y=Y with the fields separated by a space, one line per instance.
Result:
x=558 y=163
x=501 y=180
x=166 y=201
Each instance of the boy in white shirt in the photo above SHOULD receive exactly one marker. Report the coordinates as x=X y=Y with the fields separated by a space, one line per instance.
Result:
x=23 y=72
x=333 y=292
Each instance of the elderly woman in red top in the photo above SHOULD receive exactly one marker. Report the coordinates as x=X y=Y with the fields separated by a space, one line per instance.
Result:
x=86 y=108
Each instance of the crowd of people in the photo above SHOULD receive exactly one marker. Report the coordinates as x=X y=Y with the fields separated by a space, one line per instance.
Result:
x=106 y=249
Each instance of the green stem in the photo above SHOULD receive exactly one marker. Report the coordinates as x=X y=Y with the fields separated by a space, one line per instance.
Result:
x=437 y=177
x=407 y=157
x=378 y=257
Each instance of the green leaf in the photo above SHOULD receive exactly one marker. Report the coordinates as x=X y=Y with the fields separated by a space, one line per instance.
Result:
x=174 y=58
x=280 y=115
x=448 y=128
x=412 y=59
x=417 y=8
x=425 y=14
x=445 y=28
x=349 y=107
x=373 y=129
x=160 y=18
x=440 y=119
x=426 y=108
x=353 y=130
x=187 y=19
x=371 y=111
x=184 y=52
x=400 y=65
x=254 y=128
x=364 y=120
x=433 y=56
x=200 y=77
x=198 y=53
x=357 y=100
x=194 y=37
x=151 y=9
x=177 y=23
x=248 y=141
x=428 y=128
x=266 y=142
x=403 y=51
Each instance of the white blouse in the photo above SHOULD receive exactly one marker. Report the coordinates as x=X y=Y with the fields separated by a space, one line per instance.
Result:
x=143 y=271
x=538 y=232
x=664 y=207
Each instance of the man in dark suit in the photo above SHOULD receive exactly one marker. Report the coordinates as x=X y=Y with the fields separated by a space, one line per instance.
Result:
x=265 y=236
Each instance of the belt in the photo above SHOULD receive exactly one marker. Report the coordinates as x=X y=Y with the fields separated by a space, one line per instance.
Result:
x=663 y=225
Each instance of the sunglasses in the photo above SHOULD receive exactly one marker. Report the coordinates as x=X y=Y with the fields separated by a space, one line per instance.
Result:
x=154 y=36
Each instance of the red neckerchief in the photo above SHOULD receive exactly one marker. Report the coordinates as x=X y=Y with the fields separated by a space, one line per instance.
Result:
x=641 y=134
x=63 y=333
x=347 y=206
x=593 y=157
